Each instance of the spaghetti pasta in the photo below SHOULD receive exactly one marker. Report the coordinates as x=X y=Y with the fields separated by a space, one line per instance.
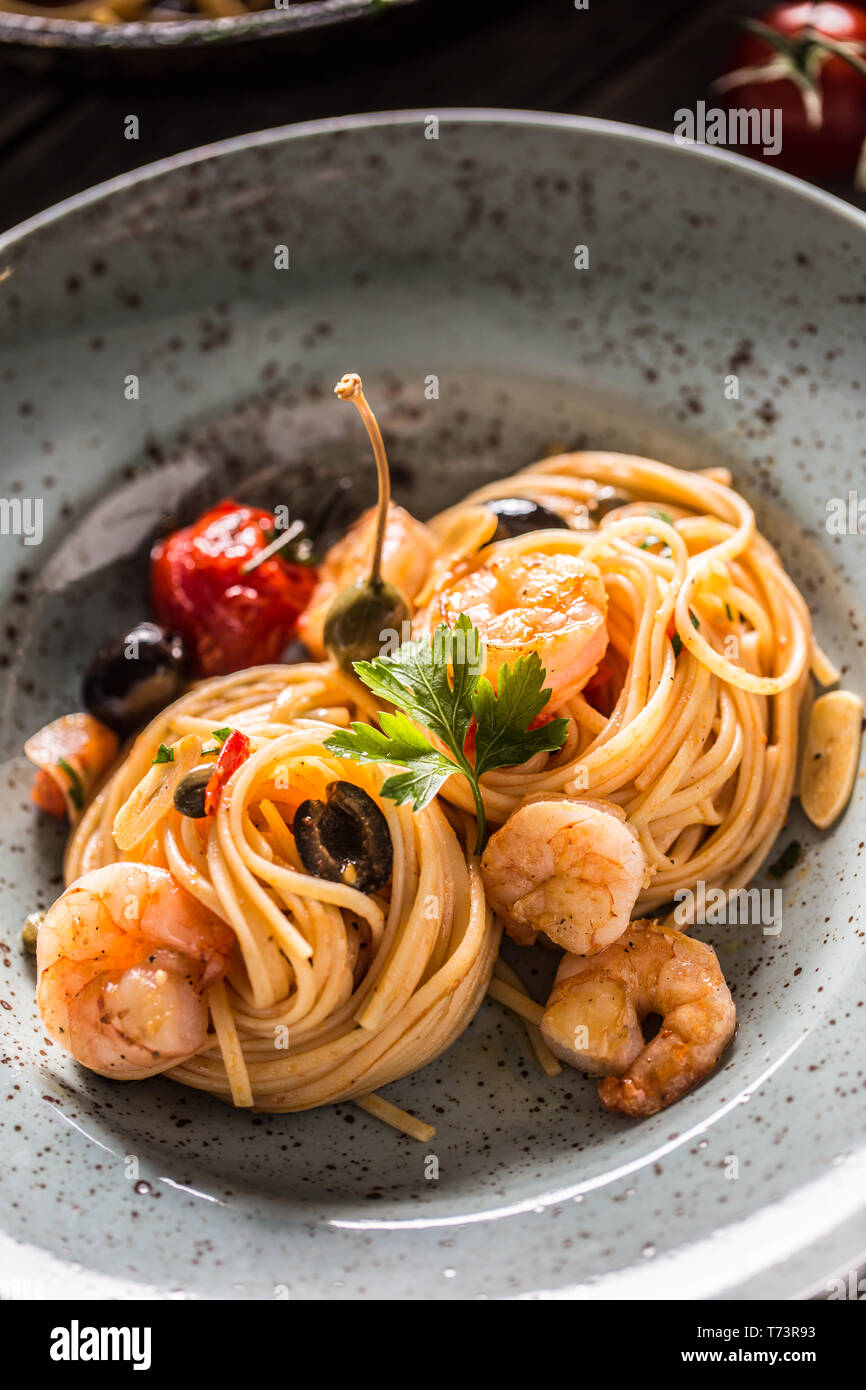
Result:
x=332 y=993
x=698 y=748
x=676 y=653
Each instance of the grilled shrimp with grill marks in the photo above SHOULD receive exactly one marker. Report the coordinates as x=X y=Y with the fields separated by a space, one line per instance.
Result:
x=123 y=958
x=570 y=869
x=593 y=1017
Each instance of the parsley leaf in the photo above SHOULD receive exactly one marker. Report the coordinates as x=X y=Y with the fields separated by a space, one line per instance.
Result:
x=415 y=679
x=399 y=741
x=163 y=755
x=437 y=683
x=503 y=738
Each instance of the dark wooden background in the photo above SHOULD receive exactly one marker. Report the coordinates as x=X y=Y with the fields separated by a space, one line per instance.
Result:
x=62 y=131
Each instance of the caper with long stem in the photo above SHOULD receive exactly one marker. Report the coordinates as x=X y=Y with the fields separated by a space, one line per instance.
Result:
x=360 y=616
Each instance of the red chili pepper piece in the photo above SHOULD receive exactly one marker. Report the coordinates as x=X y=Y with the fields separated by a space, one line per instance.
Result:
x=235 y=751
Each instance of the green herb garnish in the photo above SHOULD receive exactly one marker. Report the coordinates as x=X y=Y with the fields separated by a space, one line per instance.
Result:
x=164 y=754
x=417 y=682
x=220 y=735
x=76 y=786
x=729 y=612
x=787 y=859
x=677 y=644
x=695 y=621
x=652 y=540
x=662 y=516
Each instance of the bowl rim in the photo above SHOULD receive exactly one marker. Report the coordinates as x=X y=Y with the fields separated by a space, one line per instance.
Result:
x=473 y=115
x=141 y=35
x=842 y=1238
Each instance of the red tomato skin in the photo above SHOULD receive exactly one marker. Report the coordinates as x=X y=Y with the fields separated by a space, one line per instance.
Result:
x=833 y=149
x=227 y=619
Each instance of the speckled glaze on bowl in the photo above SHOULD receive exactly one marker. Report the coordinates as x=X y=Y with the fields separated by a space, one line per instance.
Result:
x=413 y=258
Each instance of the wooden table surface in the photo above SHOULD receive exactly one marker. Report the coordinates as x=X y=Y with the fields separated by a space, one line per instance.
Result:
x=63 y=131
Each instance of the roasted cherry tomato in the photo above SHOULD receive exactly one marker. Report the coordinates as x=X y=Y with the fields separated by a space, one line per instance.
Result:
x=809 y=62
x=235 y=751
x=228 y=618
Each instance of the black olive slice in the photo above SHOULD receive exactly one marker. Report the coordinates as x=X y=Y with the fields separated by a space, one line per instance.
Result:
x=345 y=838
x=189 y=792
x=518 y=516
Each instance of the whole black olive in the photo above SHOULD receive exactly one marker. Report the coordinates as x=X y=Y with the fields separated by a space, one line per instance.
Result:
x=134 y=676
x=517 y=516
x=360 y=620
x=189 y=792
x=607 y=499
x=345 y=838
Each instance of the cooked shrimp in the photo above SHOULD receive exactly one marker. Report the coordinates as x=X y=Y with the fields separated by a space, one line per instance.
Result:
x=407 y=554
x=123 y=958
x=594 y=1015
x=570 y=869
x=553 y=604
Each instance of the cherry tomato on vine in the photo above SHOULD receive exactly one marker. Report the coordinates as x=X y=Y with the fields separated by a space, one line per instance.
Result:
x=809 y=62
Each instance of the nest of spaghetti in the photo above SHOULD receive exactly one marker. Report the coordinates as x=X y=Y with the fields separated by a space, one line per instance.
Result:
x=606 y=694
x=329 y=992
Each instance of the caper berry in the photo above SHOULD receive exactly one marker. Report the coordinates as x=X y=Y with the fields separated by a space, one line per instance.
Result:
x=345 y=838
x=190 y=790
x=517 y=516
x=360 y=619
x=30 y=931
